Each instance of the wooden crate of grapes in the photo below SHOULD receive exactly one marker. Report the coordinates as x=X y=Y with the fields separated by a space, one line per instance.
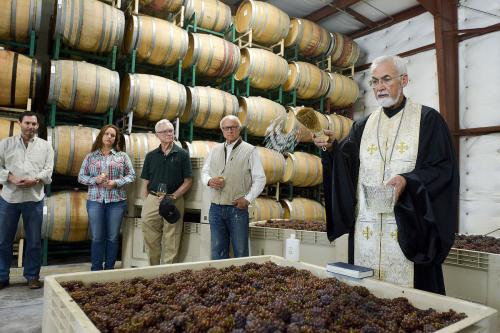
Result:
x=255 y=294
x=269 y=237
x=472 y=270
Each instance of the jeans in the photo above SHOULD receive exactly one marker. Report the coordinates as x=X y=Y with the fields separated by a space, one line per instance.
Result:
x=32 y=213
x=105 y=220
x=228 y=223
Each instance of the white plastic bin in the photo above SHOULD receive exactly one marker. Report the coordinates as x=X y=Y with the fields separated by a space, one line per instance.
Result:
x=473 y=276
x=134 y=250
x=62 y=314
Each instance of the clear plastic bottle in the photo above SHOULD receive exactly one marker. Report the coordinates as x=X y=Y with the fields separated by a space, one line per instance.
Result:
x=292 y=248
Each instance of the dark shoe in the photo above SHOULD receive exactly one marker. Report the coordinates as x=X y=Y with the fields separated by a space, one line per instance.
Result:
x=4 y=284
x=34 y=284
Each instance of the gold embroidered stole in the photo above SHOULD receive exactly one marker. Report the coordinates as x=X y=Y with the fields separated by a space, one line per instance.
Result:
x=376 y=243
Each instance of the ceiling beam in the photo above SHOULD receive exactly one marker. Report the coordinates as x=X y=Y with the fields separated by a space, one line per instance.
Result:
x=429 y=5
x=358 y=17
x=330 y=9
x=387 y=22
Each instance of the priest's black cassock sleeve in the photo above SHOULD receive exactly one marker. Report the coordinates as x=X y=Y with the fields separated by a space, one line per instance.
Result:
x=427 y=211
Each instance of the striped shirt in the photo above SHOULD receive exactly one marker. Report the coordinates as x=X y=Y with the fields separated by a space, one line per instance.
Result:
x=116 y=165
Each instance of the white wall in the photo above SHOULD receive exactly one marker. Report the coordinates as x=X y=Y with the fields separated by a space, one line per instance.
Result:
x=479 y=91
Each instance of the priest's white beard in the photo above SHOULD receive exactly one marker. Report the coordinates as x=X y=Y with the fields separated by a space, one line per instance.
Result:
x=387 y=102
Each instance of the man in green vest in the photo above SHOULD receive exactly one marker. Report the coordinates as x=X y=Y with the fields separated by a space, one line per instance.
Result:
x=235 y=177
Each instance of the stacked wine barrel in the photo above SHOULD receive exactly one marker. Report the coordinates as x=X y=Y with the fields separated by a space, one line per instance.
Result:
x=86 y=88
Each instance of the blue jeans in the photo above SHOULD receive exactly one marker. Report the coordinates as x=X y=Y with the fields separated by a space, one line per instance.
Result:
x=32 y=213
x=105 y=220
x=228 y=223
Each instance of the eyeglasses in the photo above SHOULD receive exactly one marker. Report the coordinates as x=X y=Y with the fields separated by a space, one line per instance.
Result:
x=229 y=128
x=385 y=80
x=170 y=131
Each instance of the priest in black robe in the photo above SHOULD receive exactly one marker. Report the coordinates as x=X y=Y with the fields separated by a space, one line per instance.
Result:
x=426 y=208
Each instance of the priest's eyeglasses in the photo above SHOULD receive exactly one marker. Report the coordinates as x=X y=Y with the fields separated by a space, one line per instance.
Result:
x=229 y=128
x=385 y=80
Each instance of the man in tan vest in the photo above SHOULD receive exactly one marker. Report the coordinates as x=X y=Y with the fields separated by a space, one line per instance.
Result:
x=233 y=172
x=404 y=236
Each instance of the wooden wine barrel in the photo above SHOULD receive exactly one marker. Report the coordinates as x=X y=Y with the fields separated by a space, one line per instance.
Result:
x=157 y=41
x=343 y=91
x=71 y=144
x=210 y=14
x=340 y=125
x=211 y=55
x=89 y=25
x=273 y=163
x=264 y=69
x=311 y=39
x=345 y=52
x=83 y=87
x=266 y=209
x=199 y=149
x=303 y=209
x=66 y=219
x=18 y=18
x=268 y=23
x=257 y=113
x=161 y=6
x=310 y=81
x=302 y=133
x=152 y=97
x=207 y=106
x=9 y=127
x=303 y=169
x=20 y=79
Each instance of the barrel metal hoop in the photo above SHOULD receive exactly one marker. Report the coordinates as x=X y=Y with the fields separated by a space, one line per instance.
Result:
x=209 y=107
x=103 y=29
x=109 y=43
x=50 y=218
x=137 y=94
x=71 y=159
x=97 y=89
x=67 y=229
x=71 y=24
x=166 y=106
x=13 y=79
x=13 y=10
x=38 y=17
x=131 y=93
x=153 y=40
x=150 y=98
x=74 y=80
x=116 y=90
x=31 y=18
x=32 y=78
x=81 y=10
x=182 y=103
x=170 y=45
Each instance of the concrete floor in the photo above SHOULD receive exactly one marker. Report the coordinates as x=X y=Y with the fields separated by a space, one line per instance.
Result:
x=20 y=307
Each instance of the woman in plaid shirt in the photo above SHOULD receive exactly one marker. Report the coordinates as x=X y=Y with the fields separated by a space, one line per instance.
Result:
x=105 y=171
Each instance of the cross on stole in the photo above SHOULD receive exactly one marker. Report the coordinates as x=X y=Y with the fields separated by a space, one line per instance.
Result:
x=367 y=232
x=402 y=147
x=372 y=148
